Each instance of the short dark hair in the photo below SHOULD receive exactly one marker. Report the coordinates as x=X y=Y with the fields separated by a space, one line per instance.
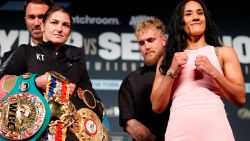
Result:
x=54 y=9
x=50 y=3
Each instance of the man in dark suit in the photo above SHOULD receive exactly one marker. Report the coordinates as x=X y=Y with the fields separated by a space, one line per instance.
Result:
x=34 y=13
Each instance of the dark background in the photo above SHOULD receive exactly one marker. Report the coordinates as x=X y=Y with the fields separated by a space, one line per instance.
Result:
x=231 y=17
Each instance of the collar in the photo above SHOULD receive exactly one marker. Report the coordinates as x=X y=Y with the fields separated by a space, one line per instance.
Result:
x=32 y=43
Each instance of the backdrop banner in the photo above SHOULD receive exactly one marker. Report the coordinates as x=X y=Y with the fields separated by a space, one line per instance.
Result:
x=112 y=53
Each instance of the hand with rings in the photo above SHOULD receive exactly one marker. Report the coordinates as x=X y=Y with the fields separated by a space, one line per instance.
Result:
x=200 y=60
x=203 y=64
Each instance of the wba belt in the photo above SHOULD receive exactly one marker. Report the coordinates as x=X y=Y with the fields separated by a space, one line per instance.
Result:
x=24 y=112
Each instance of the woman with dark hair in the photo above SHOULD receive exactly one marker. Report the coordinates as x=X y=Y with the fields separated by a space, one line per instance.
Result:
x=62 y=74
x=196 y=73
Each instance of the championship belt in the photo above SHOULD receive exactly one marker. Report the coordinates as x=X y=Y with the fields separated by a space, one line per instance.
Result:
x=90 y=102
x=88 y=127
x=57 y=88
x=62 y=109
x=95 y=106
x=87 y=97
x=84 y=123
x=7 y=83
x=24 y=112
x=61 y=119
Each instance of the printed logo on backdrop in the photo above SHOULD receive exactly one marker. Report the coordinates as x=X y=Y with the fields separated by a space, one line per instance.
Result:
x=111 y=49
x=112 y=53
x=110 y=56
x=88 y=20
x=134 y=20
x=244 y=113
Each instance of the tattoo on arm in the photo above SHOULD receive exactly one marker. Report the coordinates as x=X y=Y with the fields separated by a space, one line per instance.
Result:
x=139 y=131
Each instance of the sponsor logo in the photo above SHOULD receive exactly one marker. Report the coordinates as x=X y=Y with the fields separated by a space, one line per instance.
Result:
x=96 y=20
x=244 y=113
x=112 y=52
x=134 y=20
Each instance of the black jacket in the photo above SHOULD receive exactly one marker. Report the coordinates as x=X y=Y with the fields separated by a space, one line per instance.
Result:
x=68 y=61
x=6 y=56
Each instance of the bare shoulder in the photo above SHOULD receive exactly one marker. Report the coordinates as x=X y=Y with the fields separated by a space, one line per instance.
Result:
x=226 y=53
x=225 y=50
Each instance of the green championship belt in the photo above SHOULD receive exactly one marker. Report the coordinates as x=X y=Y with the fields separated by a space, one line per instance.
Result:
x=24 y=112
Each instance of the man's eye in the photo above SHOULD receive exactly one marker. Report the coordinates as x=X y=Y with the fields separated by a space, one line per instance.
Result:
x=141 y=43
x=40 y=16
x=151 y=40
x=31 y=17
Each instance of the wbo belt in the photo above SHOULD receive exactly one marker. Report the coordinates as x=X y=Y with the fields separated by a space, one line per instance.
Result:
x=24 y=112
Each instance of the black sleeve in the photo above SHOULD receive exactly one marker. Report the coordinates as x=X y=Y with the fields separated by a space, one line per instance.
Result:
x=85 y=82
x=6 y=56
x=15 y=64
x=126 y=102
x=78 y=55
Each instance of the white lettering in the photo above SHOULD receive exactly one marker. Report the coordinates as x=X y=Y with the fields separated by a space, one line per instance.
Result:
x=241 y=45
x=40 y=57
x=96 y=20
x=23 y=37
x=130 y=48
x=6 y=41
x=75 y=39
x=244 y=113
x=134 y=20
x=227 y=40
x=110 y=48
x=98 y=66
x=90 y=46
x=113 y=66
x=114 y=46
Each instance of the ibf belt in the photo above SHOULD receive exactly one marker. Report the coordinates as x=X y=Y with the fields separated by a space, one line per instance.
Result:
x=24 y=112
x=88 y=127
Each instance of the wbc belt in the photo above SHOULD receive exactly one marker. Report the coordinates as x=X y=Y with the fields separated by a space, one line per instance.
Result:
x=24 y=112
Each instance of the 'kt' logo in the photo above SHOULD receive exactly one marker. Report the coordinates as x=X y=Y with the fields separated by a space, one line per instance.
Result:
x=40 y=57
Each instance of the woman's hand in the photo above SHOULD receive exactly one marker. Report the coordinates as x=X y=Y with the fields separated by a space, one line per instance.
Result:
x=72 y=87
x=179 y=59
x=204 y=65
x=42 y=80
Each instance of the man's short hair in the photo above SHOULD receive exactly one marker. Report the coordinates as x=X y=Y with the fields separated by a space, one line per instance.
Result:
x=47 y=2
